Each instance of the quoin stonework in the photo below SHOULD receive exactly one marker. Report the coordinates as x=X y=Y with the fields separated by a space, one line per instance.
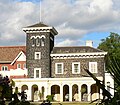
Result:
x=41 y=69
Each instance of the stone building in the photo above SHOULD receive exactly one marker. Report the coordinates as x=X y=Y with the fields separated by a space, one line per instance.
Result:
x=59 y=71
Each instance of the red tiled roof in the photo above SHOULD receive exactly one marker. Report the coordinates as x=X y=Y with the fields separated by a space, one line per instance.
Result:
x=9 y=53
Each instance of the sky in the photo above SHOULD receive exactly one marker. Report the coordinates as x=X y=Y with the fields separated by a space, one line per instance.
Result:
x=75 y=20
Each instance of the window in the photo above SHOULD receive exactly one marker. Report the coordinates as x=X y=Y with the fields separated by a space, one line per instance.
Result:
x=37 y=41
x=59 y=68
x=108 y=86
x=42 y=41
x=33 y=41
x=4 y=68
x=37 y=72
x=18 y=65
x=76 y=67
x=24 y=65
x=93 y=67
x=37 y=55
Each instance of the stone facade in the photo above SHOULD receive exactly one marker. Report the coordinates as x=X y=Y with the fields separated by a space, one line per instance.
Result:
x=44 y=48
x=84 y=63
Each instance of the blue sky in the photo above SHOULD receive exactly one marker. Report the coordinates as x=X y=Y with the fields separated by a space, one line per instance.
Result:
x=75 y=20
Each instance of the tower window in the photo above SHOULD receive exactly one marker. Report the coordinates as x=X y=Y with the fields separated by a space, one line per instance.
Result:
x=33 y=40
x=42 y=41
x=37 y=41
x=37 y=72
x=37 y=55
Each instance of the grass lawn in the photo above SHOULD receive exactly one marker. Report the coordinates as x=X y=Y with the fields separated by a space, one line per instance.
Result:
x=66 y=103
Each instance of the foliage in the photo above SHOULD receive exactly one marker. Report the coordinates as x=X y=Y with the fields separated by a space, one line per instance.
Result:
x=5 y=88
x=50 y=97
x=111 y=45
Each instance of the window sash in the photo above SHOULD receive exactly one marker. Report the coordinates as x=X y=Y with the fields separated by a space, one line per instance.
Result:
x=18 y=65
x=4 y=68
x=59 y=68
x=76 y=67
x=93 y=67
x=37 y=72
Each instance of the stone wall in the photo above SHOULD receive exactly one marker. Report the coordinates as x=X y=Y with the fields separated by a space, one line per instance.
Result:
x=84 y=63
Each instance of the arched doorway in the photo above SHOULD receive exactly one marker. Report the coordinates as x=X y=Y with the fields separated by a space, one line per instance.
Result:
x=94 y=92
x=55 y=90
x=84 y=93
x=75 y=96
x=24 y=88
x=65 y=93
x=34 y=92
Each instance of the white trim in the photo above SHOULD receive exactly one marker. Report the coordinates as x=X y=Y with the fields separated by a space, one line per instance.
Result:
x=35 y=37
x=73 y=63
x=93 y=70
x=4 y=68
x=56 y=68
x=78 y=55
x=40 y=29
x=35 y=69
x=21 y=52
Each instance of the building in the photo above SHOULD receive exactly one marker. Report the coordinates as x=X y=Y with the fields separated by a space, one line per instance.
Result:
x=57 y=71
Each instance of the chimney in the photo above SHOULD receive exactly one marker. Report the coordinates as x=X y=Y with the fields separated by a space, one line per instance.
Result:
x=89 y=43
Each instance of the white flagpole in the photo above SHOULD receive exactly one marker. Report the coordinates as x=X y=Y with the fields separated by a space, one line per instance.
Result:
x=40 y=12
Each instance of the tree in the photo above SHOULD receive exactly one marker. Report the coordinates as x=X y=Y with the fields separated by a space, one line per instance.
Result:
x=112 y=45
x=5 y=89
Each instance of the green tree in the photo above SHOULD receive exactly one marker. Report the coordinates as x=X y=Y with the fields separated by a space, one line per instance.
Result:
x=112 y=45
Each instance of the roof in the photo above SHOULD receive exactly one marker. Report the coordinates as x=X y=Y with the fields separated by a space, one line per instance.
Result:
x=9 y=53
x=38 y=25
x=75 y=49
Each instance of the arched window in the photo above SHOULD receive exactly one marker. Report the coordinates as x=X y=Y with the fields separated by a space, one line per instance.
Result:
x=32 y=40
x=37 y=41
x=42 y=41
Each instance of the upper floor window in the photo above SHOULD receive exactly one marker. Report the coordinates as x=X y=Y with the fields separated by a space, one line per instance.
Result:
x=37 y=72
x=59 y=68
x=42 y=41
x=37 y=55
x=18 y=65
x=76 y=67
x=33 y=40
x=93 y=67
x=4 y=68
x=37 y=41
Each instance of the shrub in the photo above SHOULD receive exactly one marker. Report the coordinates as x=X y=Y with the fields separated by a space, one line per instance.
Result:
x=50 y=97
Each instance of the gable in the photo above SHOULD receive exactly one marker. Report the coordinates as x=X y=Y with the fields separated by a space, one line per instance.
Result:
x=9 y=53
x=20 y=57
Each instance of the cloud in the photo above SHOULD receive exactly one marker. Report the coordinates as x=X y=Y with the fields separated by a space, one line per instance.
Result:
x=73 y=19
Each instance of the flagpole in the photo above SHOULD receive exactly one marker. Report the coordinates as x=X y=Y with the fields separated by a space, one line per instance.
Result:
x=40 y=12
